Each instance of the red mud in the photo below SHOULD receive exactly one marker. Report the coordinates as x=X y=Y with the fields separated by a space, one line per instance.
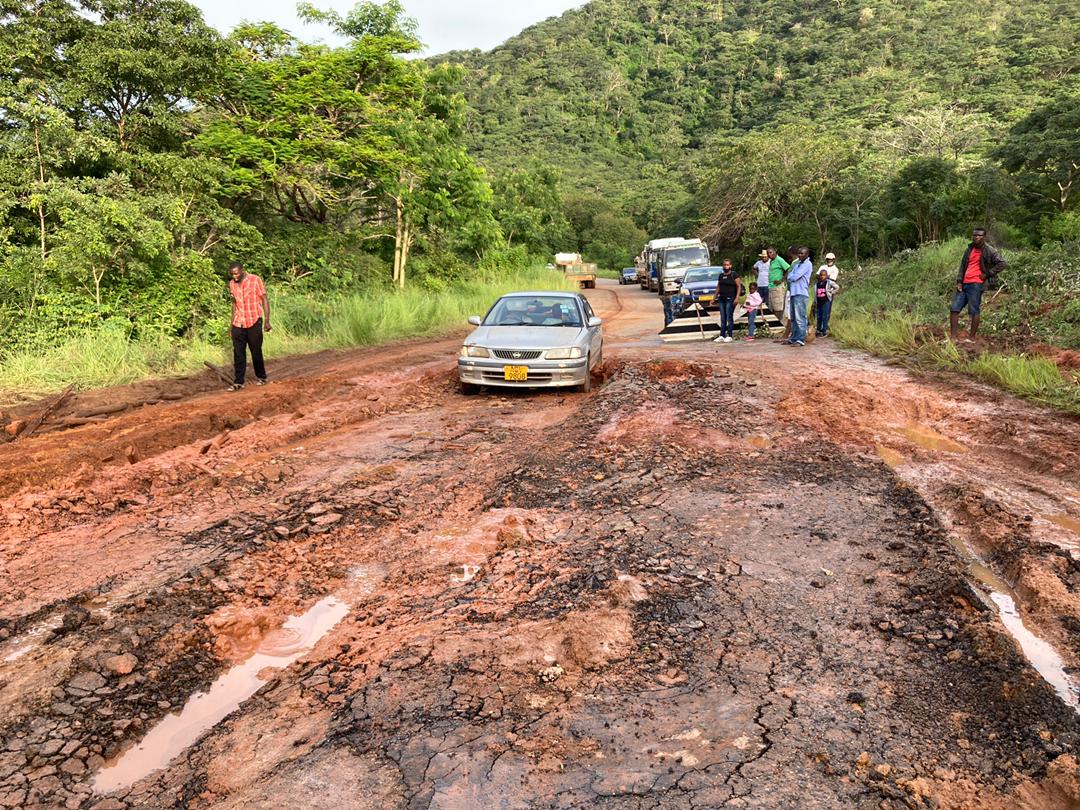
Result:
x=697 y=586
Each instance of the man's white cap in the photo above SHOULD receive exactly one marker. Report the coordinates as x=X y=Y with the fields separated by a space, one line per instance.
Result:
x=830 y=255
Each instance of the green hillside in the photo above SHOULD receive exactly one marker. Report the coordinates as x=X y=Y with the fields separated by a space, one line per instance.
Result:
x=633 y=98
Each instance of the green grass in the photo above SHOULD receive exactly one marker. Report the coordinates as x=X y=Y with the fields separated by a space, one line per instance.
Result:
x=893 y=333
x=369 y=319
x=1034 y=378
x=897 y=335
x=302 y=324
x=900 y=309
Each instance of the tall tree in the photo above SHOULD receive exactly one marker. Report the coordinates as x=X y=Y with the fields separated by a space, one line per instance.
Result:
x=1044 y=147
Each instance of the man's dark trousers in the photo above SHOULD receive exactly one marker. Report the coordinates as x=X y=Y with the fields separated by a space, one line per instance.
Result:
x=242 y=338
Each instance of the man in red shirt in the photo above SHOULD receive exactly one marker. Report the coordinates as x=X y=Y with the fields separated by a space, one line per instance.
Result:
x=979 y=264
x=250 y=304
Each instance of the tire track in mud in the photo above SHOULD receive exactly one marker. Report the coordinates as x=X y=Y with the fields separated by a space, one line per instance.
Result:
x=662 y=614
x=697 y=600
x=1001 y=475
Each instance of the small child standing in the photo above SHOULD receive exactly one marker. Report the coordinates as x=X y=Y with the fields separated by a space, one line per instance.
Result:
x=824 y=290
x=752 y=306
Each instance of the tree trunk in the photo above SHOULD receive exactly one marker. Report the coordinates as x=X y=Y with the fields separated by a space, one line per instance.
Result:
x=41 y=179
x=403 y=234
x=856 y=232
x=405 y=245
x=399 y=220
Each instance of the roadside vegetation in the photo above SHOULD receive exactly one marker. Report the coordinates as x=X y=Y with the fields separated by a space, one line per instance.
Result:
x=304 y=321
x=1030 y=322
x=142 y=151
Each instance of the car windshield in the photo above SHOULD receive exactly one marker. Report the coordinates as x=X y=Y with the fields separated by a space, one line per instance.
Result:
x=704 y=274
x=686 y=257
x=537 y=310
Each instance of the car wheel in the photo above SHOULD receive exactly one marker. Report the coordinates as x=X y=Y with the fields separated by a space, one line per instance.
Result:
x=468 y=389
x=586 y=386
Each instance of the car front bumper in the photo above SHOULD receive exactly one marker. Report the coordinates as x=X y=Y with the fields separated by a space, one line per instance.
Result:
x=542 y=373
x=706 y=299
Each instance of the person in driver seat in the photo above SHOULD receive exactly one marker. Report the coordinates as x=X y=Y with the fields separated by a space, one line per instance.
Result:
x=534 y=313
x=556 y=313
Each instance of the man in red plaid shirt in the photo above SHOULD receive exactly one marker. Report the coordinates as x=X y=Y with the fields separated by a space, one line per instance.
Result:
x=248 y=324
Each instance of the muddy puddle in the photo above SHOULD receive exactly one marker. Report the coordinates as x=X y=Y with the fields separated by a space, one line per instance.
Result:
x=204 y=710
x=929 y=439
x=891 y=457
x=1070 y=540
x=1040 y=653
x=27 y=641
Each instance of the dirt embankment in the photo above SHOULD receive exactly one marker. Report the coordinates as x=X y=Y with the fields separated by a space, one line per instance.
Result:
x=667 y=593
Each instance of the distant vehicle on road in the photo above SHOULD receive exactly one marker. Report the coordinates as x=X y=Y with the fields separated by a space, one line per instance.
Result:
x=533 y=340
x=675 y=260
x=699 y=286
x=628 y=275
x=576 y=270
x=652 y=261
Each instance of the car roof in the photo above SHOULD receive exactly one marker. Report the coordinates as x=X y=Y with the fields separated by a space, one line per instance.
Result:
x=538 y=293
x=656 y=244
x=684 y=243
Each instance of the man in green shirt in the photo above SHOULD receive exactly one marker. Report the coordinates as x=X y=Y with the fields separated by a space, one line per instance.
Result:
x=777 y=286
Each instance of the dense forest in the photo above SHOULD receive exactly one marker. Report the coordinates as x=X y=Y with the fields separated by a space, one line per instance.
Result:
x=140 y=150
x=866 y=127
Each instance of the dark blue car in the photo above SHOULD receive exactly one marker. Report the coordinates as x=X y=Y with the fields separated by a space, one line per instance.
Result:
x=628 y=275
x=699 y=286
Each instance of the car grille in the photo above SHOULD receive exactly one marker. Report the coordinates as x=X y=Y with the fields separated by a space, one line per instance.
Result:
x=515 y=354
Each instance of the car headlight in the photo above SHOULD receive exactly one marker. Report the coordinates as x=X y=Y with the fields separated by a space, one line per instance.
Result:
x=563 y=354
x=474 y=351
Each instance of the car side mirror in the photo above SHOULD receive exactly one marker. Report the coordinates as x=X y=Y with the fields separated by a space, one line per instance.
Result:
x=594 y=322
x=474 y=320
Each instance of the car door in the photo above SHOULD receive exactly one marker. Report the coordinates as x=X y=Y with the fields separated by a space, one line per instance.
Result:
x=596 y=339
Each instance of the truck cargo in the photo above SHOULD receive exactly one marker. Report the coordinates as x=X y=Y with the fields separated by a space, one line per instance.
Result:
x=584 y=273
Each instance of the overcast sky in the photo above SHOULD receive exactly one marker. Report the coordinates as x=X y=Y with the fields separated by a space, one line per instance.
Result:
x=444 y=24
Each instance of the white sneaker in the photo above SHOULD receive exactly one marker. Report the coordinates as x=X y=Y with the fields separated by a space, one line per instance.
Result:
x=727 y=340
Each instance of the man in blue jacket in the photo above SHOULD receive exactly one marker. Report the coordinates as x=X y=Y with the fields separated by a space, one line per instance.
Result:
x=799 y=289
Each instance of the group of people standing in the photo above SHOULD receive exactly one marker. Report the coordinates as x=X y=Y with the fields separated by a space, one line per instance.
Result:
x=786 y=287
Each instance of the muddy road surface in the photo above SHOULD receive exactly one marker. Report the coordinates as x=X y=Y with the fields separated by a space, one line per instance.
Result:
x=734 y=575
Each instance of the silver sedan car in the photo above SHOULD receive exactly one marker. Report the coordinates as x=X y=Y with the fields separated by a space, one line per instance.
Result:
x=533 y=340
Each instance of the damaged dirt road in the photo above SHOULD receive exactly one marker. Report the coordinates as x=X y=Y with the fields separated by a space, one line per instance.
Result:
x=738 y=575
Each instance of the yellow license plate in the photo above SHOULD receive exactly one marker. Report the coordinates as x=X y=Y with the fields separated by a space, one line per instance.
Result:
x=705 y=298
x=516 y=373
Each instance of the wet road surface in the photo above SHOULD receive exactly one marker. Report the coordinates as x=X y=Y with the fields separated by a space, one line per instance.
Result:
x=738 y=575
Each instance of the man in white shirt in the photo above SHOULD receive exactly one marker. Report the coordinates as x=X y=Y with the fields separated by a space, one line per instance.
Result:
x=830 y=266
x=762 y=266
